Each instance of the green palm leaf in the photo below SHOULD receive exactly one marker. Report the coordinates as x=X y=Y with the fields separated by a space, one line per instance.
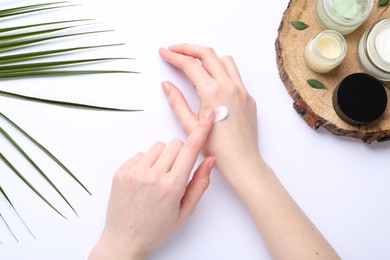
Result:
x=9 y=229
x=62 y=103
x=18 y=44
x=9 y=29
x=12 y=167
x=45 y=151
x=28 y=158
x=18 y=64
x=43 y=54
x=47 y=65
x=16 y=36
x=10 y=203
x=30 y=8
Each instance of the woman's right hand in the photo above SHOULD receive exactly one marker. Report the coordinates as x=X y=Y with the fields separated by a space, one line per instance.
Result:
x=233 y=141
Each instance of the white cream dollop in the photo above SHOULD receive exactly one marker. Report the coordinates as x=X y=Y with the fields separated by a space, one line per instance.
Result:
x=221 y=113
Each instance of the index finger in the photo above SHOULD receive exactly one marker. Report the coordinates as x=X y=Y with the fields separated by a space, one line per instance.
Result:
x=194 y=71
x=190 y=150
x=210 y=61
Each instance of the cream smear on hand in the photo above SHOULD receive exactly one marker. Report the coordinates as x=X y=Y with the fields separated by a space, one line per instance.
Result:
x=221 y=113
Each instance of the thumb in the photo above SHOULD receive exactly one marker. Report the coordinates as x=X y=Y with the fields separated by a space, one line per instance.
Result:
x=196 y=187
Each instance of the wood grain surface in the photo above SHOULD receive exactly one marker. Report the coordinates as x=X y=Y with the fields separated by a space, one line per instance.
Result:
x=315 y=105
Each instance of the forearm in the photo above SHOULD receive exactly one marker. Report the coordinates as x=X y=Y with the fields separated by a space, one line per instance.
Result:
x=287 y=231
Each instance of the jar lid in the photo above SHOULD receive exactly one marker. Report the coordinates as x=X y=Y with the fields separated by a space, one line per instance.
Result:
x=359 y=99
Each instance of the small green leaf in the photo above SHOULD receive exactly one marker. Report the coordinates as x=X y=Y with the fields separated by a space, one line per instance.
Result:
x=383 y=2
x=299 y=25
x=316 y=84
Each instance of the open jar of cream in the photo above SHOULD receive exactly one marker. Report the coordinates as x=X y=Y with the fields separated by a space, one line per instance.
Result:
x=374 y=50
x=325 y=51
x=343 y=16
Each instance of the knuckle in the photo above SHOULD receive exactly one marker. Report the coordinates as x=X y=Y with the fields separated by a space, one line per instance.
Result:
x=159 y=145
x=204 y=184
x=252 y=102
x=228 y=59
x=124 y=176
x=193 y=145
x=189 y=64
x=150 y=178
x=237 y=94
x=209 y=51
x=175 y=101
x=214 y=91
x=177 y=142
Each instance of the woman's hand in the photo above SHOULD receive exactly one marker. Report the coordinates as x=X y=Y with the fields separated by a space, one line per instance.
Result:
x=233 y=141
x=151 y=195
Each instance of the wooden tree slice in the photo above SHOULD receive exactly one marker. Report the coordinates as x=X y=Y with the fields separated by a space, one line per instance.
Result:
x=315 y=105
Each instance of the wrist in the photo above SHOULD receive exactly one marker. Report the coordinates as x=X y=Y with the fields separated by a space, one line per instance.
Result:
x=241 y=166
x=244 y=172
x=109 y=247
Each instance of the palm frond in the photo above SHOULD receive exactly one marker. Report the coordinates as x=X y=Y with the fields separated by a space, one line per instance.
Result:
x=37 y=168
x=12 y=45
x=46 y=151
x=10 y=203
x=20 y=175
x=9 y=229
x=31 y=8
x=6 y=59
x=63 y=103
x=18 y=61
x=48 y=65
x=15 y=28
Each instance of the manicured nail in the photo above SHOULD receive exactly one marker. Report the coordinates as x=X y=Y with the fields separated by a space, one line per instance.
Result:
x=166 y=87
x=209 y=113
x=212 y=163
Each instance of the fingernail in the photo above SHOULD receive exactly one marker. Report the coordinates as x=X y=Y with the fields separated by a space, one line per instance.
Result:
x=209 y=113
x=212 y=163
x=166 y=87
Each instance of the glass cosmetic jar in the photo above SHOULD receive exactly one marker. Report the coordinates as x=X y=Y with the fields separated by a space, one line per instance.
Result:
x=359 y=99
x=343 y=16
x=325 y=51
x=374 y=50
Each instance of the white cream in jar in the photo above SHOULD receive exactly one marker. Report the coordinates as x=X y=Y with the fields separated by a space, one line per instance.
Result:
x=374 y=50
x=325 y=51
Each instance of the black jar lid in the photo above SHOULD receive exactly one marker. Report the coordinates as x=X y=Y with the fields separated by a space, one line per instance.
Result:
x=359 y=99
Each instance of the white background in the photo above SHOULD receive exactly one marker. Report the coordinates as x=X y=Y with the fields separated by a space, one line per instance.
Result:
x=341 y=183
